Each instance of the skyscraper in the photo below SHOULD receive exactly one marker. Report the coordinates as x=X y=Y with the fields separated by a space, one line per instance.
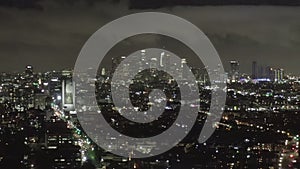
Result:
x=234 y=70
x=68 y=92
x=29 y=70
x=277 y=75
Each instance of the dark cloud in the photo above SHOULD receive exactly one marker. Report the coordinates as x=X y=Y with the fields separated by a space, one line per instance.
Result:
x=37 y=4
x=22 y=4
x=154 y=4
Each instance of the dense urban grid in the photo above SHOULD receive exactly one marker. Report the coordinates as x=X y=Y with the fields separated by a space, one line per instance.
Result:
x=39 y=128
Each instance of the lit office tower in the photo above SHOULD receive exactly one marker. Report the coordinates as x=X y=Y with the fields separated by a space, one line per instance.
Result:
x=281 y=74
x=277 y=75
x=68 y=95
x=28 y=75
x=29 y=70
x=161 y=63
x=22 y=97
x=183 y=61
x=153 y=62
x=234 y=70
x=143 y=60
x=185 y=69
x=254 y=70
x=165 y=61
x=103 y=72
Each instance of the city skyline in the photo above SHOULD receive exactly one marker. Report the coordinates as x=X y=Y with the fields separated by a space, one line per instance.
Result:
x=258 y=72
x=258 y=128
x=149 y=90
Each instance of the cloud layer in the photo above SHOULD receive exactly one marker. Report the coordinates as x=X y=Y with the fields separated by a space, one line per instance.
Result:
x=51 y=38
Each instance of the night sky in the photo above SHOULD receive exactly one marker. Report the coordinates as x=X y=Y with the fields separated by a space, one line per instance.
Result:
x=50 y=33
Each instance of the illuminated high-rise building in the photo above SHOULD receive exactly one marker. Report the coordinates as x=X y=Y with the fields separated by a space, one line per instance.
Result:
x=185 y=69
x=162 y=55
x=29 y=70
x=234 y=70
x=277 y=75
x=165 y=61
x=68 y=95
x=153 y=62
